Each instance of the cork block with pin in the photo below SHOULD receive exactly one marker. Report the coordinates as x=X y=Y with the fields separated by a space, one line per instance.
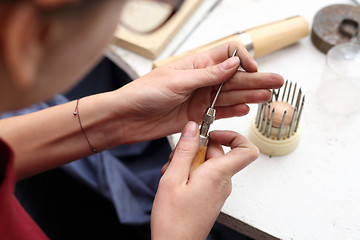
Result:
x=275 y=129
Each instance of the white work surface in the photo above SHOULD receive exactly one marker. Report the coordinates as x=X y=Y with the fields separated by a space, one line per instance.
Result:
x=311 y=193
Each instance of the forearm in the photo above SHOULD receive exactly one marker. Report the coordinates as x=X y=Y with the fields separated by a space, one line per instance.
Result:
x=53 y=137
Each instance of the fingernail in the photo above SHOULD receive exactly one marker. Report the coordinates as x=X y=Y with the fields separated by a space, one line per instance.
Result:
x=230 y=63
x=190 y=130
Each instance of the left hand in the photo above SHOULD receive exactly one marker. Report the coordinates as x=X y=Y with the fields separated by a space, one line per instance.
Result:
x=164 y=100
x=187 y=202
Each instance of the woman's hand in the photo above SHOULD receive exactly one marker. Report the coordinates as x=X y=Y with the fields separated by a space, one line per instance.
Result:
x=163 y=101
x=187 y=203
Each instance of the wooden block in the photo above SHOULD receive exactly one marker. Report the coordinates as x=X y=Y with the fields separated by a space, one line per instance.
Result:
x=150 y=45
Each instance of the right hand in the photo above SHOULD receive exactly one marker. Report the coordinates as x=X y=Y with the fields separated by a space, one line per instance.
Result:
x=187 y=203
x=161 y=102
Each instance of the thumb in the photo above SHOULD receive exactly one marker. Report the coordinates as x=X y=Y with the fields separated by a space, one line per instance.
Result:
x=185 y=152
x=213 y=75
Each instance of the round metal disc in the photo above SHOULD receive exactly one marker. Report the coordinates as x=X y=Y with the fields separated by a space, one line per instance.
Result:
x=335 y=24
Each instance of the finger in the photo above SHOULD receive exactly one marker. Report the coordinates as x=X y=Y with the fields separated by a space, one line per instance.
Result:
x=242 y=152
x=232 y=111
x=171 y=154
x=179 y=167
x=220 y=53
x=214 y=150
x=164 y=168
x=215 y=56
x=230 y=98
x=244 y=80
x=210 y=75
x=247 y=61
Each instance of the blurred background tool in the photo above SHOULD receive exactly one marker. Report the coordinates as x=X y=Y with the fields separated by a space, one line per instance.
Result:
x=335 y=24
x=275 y=130
x=208 y=119
x=147 y=16
x=261 y=40
x=147 y=26
x=208 y=12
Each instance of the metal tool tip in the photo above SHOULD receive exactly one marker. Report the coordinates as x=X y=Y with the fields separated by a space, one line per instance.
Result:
x=235 y=51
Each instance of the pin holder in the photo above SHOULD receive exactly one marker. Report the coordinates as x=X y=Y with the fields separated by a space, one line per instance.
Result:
x=276 y=127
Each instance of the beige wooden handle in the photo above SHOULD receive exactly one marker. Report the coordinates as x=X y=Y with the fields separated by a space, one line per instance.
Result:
x=233 y=37
x=263 y=40
x=274 y=36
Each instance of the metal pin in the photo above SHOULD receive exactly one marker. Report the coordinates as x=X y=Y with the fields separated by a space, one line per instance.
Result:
x=277 y=94
x=298 y=99
x=273 y=95
x=262 y=116
x=221 y=85
x=282 y=125
x=258 y=114
x=292 y=100
x=258 y=117
x=287 y=99
x=292 y=123
x=266 y=119
x=270 y=123
x=299 y=116
x=286 y=83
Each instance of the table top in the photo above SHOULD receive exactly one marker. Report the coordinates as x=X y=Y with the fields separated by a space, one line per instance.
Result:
x=311 y=193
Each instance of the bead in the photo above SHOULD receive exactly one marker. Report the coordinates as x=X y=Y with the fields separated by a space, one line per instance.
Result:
x=75 y=113
x=94 y=150
x=280 y=107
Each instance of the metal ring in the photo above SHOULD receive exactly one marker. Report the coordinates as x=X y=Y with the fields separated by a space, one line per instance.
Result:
x=245 y=38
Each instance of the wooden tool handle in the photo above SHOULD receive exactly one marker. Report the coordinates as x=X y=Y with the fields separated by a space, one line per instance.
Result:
x=264 y=39
x=200 y=158
x=229 y=38
x=233 y=37
x=274 y=36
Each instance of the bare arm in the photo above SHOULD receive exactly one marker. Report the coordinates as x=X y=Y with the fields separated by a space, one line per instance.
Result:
x=155 y=105
x=53 y=136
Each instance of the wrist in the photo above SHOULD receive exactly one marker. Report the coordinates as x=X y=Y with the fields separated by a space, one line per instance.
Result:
x=101 y=121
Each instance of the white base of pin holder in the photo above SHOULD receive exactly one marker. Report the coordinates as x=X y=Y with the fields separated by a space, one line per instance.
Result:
x=272 y=146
